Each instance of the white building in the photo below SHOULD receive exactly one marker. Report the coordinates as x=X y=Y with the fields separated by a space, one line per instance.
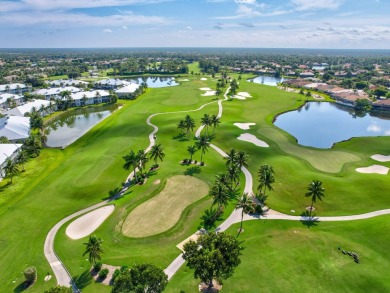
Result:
x=67 y=82
x=90 y=97
x=14 y=88
x=56 y=91
x=8 y=151
x=126 y=90
x=4 y=100
x=111 y=83
x=15 y=128
x=26 y=108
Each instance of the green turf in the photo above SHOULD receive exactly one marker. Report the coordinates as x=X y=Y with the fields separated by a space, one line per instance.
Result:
x=62 y=182
x=285 y=256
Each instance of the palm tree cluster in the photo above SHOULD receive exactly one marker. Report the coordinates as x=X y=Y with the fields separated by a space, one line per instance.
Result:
x=137 y=161
x=233 y=87
x=208 y=121
x=186 y=125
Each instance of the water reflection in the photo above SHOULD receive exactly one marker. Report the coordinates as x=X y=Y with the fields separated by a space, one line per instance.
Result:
x=268 y=80
x=321 y=125
x=155 y=81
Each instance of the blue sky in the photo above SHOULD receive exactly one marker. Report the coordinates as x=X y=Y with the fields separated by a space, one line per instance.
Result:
x=363 y=24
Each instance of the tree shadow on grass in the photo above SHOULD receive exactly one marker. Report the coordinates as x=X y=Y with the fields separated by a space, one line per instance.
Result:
x=83 y=280
x=180 y=137
x=5 y=186
x=114 y=194
x=192 y=170
x=22 y=286
x=309 y=221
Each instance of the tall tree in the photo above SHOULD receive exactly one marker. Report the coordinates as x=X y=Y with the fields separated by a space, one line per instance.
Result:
x=231 y=157
x=233 y=173
x=266 y=178
x=215 y=121
x=141 y=278
x=157 y=153
x=142 y=159
x=182 y=126
x=241 y=159
x=220 y=195
x=315 y=191
x=131 y=160
x=22 y=158
x=93 y=249
x=206 y=121
x=191 y=150
x=246 y=204
x=202 y=144
x=10 y=168
x=213 y=256
x=189 y=124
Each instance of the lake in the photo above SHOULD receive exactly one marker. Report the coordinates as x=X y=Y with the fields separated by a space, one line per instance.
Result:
x=155 y=81
x=268 y=80
x=321 y=124
x=69 y=126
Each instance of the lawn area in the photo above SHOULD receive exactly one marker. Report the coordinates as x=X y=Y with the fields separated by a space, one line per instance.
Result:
x=285 y=256
x=61 y=182
x=179 y=192
x=193 y=67
x=57 y=77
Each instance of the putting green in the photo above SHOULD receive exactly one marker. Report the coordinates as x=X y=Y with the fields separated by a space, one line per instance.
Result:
x=163 y=211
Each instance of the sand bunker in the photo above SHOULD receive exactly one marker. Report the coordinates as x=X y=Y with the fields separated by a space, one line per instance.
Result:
x=203 y=78
x=381 y=158
x=374 y=169
x=244 y=126
x=242 y=96
x=205 y=89
x=253 y=139
x=209 y=93
x=88 y=223
x=183 y=79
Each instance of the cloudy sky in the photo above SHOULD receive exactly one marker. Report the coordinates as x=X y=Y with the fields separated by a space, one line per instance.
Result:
x=361 y=24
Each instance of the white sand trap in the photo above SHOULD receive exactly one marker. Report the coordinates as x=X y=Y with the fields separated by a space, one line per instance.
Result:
x=253 y=139
x=205 y=89
x=244 y=94
x=203 y=78
x=374 y=169
x=239 y=97
x=183 y=79
x=88 y=223
x=381 y=158
x=209 y=93
x=244 y=126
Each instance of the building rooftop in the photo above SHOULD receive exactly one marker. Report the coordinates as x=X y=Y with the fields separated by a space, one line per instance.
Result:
x=26 y=108
x=15 y=127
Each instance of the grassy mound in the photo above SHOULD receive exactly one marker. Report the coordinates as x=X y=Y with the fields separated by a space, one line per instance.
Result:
x=163 y=211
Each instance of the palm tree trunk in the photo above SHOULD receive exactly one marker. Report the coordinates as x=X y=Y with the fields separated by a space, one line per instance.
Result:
x=311 y=207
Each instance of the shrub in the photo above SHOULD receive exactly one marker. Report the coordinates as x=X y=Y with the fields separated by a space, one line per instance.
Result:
x=258 y=209
x=97 y=266
x=103 y=273
x=30 y=274
x=115 y=274
x=184 y=161
x=59 y=289
x=124 y=268
x=202 y=163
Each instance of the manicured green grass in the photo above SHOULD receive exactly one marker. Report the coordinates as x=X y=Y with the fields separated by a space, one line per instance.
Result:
x=63 y=182
x=57 y=77
x=193 y=67
x=285 y=256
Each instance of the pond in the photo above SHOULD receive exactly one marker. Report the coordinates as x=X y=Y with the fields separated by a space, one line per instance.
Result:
x=268 y=80
x=321 y=124
x=155 y=81
x=69 y=126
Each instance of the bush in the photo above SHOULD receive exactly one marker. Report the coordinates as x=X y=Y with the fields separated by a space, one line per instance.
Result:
x=115 y=274
x=30 y=274
x=59 y=289
x=124 y=268
x=258 y=209
x=97 y=267
x=184 y=161
x=103 y=273
x=202 y=163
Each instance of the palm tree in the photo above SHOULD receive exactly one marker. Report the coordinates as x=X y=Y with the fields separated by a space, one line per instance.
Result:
x=210 y=217
x=93 y=249
x=202 y=144
x=131 y=160
x=206 y=121
x=266 y=178
x=189 y=123
x=142 y=159
x=231 y=157
x=181 y=125
x=191 y=150
x=233 y=172
x=220 y=195
x=11 y=168
x=215 y=121
x=241 y=159
x=157 y=152
x=246 y=204
x=315 y=191
x=22 y=158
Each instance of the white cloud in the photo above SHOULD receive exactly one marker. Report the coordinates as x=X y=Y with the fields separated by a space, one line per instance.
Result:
x=302 y=5
x=107 y=30
x=189 y=28
x=374 y=128
x=124 y=27
x=41 y=5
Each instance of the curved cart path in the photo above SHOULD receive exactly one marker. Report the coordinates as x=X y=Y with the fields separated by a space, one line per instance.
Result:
x=63 y=276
